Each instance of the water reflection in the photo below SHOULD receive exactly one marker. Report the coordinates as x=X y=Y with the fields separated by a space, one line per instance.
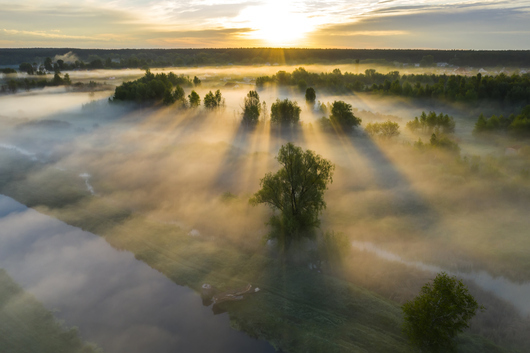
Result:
x=116 y=301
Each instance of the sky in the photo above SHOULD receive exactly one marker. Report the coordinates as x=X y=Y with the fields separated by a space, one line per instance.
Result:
x=423 y=24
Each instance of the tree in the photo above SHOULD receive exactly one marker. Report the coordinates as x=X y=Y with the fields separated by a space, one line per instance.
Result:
x=285 y=112
x=385 y=130
x=57 y=80
x=444 y=142
x=67 y=80
x=442 y=310
x=213 y=101
x=48 y=64
x=297 y=192
x=342 y=116
x=26 y=67
x=12 y=86
x=194 y=99
x=178 y=94
x=196 y=81
x=310 y=95
x=427 y=61
x=251 y=108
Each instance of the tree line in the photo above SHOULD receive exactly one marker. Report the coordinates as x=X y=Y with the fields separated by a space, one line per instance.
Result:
x=517 y=125
x=249 y=56
x=14 y=85
x=512 y=89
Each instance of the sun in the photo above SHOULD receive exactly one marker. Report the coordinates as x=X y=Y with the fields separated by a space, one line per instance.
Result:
x=276 y=23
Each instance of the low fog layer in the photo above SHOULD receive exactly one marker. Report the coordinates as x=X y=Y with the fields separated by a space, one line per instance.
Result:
x=196 y=170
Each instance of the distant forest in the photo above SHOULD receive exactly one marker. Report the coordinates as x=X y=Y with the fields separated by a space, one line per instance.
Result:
x=513 y=89
x=121 y=58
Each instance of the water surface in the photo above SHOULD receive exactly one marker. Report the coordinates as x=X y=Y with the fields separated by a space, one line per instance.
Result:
x=118 y=302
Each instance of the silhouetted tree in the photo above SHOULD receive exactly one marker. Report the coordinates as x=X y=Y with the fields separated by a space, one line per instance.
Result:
x=48 y=64
x=310 y=95
x=26 y=67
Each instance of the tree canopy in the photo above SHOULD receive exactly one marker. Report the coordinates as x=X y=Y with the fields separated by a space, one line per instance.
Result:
x=439 y=313
x=214 y=101
x=310 y=95
x=251 y=108
x=195 y=99
x=342 y=116
x=285 y=112
x=518 y=125
x=385 y=130
x=152 y=88
x=297 y=192
x=431 y=121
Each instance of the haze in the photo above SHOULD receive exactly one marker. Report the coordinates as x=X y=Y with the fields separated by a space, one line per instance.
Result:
x=165 y=175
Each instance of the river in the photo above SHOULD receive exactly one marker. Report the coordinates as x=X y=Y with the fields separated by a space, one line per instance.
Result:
x=116 y=301
x=518 y=294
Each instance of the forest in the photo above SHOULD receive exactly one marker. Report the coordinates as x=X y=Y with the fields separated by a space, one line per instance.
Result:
x=123 y=58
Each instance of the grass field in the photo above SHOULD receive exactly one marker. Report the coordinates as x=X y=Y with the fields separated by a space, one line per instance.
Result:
x=297 y=310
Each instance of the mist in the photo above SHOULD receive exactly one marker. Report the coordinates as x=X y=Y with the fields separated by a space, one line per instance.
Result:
x=408 y=213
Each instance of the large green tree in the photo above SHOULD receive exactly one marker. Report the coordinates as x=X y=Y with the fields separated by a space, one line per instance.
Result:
x=296 y=191
x=438 y=314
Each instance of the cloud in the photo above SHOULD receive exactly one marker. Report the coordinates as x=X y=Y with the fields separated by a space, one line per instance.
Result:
x=198 y=23
x=371 y=33
x=466 y=27
x=43 y=34
x=69 y=57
